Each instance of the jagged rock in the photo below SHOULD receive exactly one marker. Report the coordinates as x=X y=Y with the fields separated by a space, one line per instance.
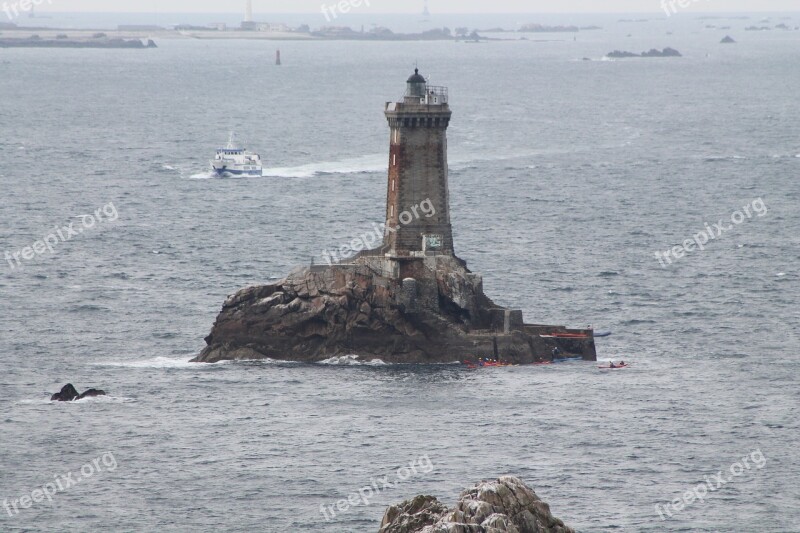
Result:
x=91 y=393
x=505 y=505
x=440 y=316
x=727 y=40
x=413 y=515
x=69 y=394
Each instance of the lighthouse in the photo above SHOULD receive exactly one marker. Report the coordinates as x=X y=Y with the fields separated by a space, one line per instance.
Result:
x=418 y=172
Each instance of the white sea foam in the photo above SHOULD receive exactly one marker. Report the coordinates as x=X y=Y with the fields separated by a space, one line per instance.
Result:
x=159 y=362
x=350 y=360
x=91 y=399
x=103 y=399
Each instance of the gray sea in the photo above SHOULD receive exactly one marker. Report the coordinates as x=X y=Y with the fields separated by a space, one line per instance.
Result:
x=567 y=176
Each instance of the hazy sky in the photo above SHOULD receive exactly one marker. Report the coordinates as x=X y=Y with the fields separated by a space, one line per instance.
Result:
x=415 y=6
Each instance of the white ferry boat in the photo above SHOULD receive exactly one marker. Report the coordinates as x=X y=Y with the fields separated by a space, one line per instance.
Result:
x=233 y=161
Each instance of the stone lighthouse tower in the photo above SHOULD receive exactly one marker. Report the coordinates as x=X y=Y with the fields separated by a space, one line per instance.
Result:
x=418 y=172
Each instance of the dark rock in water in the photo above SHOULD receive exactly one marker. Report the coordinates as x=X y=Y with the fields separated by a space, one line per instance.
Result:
x=91 y=393
x=727 y=40
x=618 y=54
x=666 y=52
x=69 y=394
x=505 y=505
x=151 y=43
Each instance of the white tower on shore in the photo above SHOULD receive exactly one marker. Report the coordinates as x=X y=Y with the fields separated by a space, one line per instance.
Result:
x=248 y=11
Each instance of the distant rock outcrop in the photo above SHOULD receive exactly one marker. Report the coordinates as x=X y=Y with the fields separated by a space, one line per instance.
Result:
x=505 y=505
x=727 y=40
x=541 y=28
x=70 y=394
x=97 y=41
x=666 y=52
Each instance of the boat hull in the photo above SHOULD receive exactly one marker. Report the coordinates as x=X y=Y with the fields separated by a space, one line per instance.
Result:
x=222 y=172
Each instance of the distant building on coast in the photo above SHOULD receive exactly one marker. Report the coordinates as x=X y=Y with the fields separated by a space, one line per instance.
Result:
x=248 y=23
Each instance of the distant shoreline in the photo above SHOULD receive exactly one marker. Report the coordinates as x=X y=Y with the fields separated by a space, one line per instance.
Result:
x=22 y=33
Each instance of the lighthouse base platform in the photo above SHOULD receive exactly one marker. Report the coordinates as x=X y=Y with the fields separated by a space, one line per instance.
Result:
x=418 y=310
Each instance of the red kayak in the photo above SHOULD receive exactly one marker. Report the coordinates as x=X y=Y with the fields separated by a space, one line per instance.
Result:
x=617 y=367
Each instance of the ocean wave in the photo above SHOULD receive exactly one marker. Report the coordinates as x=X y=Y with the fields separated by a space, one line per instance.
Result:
x=718 y=158
x=350 y=360
x=92 y=399
x=159 y=362
x=103 y=399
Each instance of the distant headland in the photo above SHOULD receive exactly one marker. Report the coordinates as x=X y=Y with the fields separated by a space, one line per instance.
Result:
x=99 y=40
x=249 y=30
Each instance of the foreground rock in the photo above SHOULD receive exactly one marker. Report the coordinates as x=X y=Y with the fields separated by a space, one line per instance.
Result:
x=441 y=315
x=505 y=505
x=70 y=394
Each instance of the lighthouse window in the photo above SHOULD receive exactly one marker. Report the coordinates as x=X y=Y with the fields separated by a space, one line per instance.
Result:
x=392 y=185
x=391 y=211
x=394 y=160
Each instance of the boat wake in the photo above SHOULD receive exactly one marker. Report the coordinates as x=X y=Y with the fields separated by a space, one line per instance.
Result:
x=355 y=165
x=202 y=176
x=368 y=164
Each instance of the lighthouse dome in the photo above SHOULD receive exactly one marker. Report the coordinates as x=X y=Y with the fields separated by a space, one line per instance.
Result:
x=417 y=77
